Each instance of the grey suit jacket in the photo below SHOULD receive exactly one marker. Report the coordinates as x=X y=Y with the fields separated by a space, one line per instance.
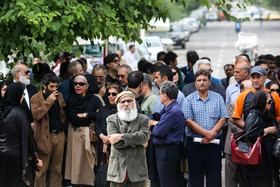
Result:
x=232 y=128
x=128 y=155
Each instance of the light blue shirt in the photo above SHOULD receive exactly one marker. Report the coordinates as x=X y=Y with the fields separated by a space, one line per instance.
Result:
x=204 y=113
x=232 y=92
x=159 y=106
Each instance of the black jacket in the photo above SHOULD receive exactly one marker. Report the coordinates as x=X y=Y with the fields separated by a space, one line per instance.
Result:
x=267 y=167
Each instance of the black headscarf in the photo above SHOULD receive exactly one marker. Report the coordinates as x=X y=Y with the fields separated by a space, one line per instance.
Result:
x=11 y=98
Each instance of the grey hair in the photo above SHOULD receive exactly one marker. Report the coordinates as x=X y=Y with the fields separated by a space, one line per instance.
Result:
x=72 y=67
x=128 y=69
x=199 y=62
x=170 y=89
x=246 y=68
x=99 y=67
x=81 y=77
x=16 y=68
x=147 y=79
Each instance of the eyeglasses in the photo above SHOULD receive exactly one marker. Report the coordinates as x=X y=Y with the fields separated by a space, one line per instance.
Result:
x=27 y=72
x=275 y=90
x=115 y=61
x=79 y=83
x=269 y=101
x=128 y=101
x=112 y=93
x=174 y=73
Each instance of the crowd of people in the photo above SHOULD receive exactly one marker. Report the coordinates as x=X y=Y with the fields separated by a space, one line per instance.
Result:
x=154 y=125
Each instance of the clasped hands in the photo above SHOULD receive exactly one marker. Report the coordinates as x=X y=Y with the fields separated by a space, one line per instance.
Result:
x=208 y=137
x=115 y=138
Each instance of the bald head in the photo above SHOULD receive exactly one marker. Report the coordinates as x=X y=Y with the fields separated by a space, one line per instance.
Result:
x=245 y=85
x=243 y=59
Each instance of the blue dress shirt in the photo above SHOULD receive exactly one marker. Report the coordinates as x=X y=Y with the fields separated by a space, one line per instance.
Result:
x=170 y=128
x=204 y=113
x=159 y=106
x=232 y=92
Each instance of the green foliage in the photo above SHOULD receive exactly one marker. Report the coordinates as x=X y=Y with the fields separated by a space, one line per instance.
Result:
x=30 y=27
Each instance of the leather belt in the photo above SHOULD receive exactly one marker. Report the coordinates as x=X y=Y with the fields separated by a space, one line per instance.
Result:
x=55 y=132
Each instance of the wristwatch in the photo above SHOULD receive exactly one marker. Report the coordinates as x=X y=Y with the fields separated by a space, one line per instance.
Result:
x=122 y=137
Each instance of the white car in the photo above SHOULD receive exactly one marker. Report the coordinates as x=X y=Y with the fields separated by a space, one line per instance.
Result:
x=154 y=45
x=165 y=38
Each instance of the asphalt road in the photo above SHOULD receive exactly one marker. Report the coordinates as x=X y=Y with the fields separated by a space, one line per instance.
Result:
x=217 y=41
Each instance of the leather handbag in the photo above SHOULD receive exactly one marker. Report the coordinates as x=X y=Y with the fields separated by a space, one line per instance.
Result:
x=276 y=149
x=245 y=152
x=101 y=174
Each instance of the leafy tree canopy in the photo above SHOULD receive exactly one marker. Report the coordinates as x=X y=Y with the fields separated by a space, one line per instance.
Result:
x=51 y=26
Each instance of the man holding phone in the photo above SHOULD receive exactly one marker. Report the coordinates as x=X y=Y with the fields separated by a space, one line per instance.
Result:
x=48 y=110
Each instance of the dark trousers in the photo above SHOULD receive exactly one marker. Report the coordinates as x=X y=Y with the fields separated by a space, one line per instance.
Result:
x=168 y=166
x=204 y=159
x=258 y=181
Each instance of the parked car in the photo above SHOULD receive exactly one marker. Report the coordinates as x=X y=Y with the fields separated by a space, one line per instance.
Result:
x=192 y=22
x=180 y=33
x=165 y=38
x=154 y=45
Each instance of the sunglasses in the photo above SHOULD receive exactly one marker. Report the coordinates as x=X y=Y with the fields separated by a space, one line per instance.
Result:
x=79 y=83
x=27 y=72
x=128 y=101
x=53 y=86
x=269 y=101
x=275 y=90
x=115 y=61
x=112 y=93
x=174 y=73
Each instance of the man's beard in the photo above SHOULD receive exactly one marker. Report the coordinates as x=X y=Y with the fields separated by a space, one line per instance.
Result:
x=24 y=79
x=128 y=114
x=100 y=85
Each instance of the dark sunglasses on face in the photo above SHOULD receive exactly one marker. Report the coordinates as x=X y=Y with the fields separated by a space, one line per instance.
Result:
x=128 y=101
x=115 y=61
x=275 y=90
x=174 y=73
x=27 y=72
x=79 y=83
x=269 y=101
x=53 y=86
x=112 y=93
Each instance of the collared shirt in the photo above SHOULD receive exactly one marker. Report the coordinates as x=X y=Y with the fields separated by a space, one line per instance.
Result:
x=155 y=89
x=232 y=92
x=148 y=104
x=170 y=128
x=159 y=106
x=204 y=113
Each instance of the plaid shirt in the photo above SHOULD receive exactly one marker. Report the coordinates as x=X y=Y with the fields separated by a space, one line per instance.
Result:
x=204 y=113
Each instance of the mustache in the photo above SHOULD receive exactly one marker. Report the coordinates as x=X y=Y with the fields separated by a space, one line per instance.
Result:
x=202 y=85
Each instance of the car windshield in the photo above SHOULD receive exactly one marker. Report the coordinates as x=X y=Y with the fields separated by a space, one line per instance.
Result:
x=96 y=50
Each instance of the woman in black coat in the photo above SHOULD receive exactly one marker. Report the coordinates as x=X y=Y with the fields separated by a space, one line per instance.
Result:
x=18 y=155
x=261 y=175
x=100 y=126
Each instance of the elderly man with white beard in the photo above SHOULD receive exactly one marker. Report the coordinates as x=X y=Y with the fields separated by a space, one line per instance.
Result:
x=128 y=133
x=21 y=73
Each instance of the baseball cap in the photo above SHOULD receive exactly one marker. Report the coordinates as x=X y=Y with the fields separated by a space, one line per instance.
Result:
x=258 y=69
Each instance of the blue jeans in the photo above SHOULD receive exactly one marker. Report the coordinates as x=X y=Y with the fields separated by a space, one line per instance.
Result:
x=204 y=159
